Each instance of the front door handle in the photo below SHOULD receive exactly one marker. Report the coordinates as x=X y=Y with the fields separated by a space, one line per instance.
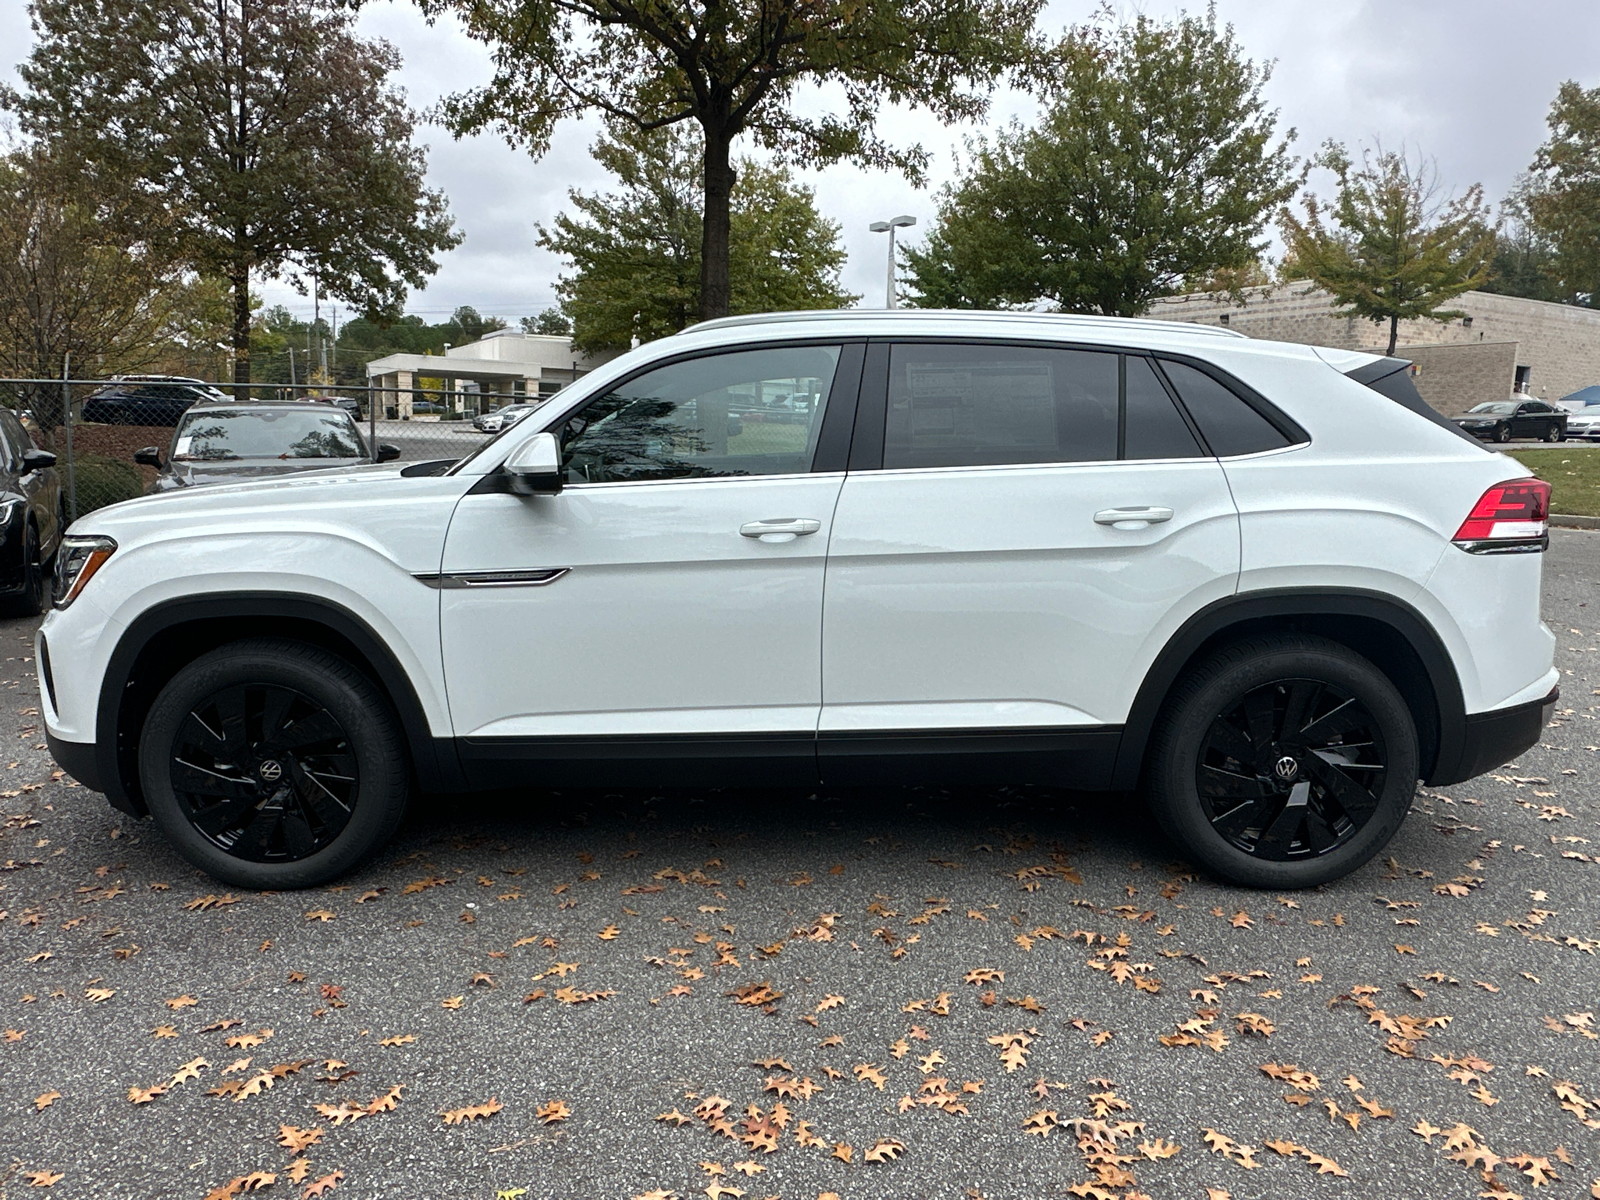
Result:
x=1138 y=517
x=780 y=529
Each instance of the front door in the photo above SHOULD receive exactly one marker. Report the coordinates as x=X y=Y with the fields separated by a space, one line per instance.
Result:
x=1043 y=521
x=668 y=602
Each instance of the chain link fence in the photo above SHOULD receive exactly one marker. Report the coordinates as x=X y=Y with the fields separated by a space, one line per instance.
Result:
x=96 y=426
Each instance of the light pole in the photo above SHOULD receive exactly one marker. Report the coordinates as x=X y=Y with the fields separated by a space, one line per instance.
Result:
x=889 y=227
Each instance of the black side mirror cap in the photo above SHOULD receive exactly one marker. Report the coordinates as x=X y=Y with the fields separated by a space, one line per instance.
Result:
x=150 y=456
x=38 y=460
x=386 y=452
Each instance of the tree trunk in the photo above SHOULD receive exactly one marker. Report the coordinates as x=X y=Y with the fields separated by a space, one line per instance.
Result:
x=241 y=332
x=714 y=228
x=1394 y=333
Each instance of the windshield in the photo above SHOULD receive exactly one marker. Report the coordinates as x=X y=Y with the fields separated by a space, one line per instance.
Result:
x=1493 y=406
x=269 y=433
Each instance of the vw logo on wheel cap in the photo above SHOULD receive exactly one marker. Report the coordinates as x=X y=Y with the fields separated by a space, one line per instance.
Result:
x=272 y=769
x=1286 y=768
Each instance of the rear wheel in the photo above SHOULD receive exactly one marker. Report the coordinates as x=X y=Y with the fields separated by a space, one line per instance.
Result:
x=1283 y=761
x=272 y=764
x=1552 y=433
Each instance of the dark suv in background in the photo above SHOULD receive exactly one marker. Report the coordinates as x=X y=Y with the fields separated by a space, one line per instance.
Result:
x=146 y=399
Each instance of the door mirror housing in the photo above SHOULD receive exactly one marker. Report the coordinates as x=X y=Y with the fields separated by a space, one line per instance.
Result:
x=37 y=460
x=535 y=468
x=386 y=452
x=148 y=457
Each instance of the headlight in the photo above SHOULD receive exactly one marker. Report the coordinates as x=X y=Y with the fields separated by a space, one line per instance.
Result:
x=76 y=564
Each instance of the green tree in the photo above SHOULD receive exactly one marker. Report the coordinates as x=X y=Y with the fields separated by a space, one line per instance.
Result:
x=635 y=253
x=1524 y=262
x=552 y=322
x=1154 y=163
x=261 y=135
x=1395 y=250
x=733 y=67
x=472 y=324
x=1561 y=195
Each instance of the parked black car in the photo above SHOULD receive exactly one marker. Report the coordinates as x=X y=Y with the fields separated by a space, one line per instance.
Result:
x=1502 y=420
x=32 y=520
x=235 y=442
x=147 y=399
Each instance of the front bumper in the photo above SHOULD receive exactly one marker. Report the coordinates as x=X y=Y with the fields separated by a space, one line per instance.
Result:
x=76 y=759
x=1492 y=739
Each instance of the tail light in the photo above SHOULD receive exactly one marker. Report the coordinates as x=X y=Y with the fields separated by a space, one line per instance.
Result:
x=1509 y=518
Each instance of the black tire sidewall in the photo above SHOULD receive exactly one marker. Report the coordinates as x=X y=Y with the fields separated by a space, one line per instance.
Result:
x=330 y=681
x=1213 y=688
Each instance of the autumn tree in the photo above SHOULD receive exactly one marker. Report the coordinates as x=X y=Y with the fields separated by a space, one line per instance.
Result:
x=1156 y=162
x=67 y=291
x=1390 y=247
x=733 y=68
x=255 y=136
x=635 y=253
x=1561 y=195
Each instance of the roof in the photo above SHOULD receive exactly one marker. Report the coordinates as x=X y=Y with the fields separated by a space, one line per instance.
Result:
x=1586 y=395
x=325 y=402
x=1006 y=317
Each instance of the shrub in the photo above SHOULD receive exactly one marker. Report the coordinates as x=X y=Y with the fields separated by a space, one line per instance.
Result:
x=101 y=481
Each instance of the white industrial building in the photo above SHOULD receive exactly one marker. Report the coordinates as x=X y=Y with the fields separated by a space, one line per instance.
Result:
x=503 y=365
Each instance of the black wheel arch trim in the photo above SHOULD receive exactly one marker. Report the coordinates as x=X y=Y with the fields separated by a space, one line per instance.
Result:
x=1448 y=741
x=434 y=759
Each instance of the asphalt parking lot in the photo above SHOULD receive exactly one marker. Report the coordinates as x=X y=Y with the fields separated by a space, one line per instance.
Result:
x=901 y=994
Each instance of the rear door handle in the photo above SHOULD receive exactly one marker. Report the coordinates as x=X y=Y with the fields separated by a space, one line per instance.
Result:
x=1138 y=517
x=780 y=529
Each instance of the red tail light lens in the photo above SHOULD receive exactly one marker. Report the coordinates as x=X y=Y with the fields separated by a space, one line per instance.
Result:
x=1508 y=517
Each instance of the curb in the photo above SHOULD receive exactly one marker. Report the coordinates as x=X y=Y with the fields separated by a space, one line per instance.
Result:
x=1574 y=522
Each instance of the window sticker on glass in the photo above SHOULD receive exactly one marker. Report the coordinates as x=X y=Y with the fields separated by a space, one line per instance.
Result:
x=182 y=448
x=999 y=403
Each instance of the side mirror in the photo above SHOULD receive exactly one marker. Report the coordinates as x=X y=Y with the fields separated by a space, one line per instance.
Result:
x=386 y=452
x=37 y=460
x=148 y=457
x=535 y=469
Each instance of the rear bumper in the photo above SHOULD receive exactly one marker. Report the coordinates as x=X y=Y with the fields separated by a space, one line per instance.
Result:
x=1492 y=739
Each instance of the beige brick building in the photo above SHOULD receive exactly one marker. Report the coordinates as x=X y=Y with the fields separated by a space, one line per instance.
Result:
x=1500 y=345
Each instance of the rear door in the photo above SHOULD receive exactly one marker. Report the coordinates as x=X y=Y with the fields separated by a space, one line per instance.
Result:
x=1023 y=527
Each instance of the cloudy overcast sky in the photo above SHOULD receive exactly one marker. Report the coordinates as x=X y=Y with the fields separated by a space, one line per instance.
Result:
x=1467 y=83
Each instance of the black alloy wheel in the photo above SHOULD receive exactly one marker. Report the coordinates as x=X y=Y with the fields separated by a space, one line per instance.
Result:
x=30 y=598
x=270 y=763
x=1283 y=760
x=1502 y=432
x=265 y=773
x=1552 y=431
x=1293 y=770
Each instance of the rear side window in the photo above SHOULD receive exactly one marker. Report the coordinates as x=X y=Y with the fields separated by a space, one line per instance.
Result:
x=982 y=405
x=1229 y=425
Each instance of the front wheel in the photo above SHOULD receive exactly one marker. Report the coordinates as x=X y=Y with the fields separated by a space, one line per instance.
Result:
x=30 y=600
x=273 y=764
x=1283 y=761
x=1502 y=433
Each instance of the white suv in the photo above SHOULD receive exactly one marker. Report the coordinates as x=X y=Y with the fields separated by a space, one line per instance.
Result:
x=1263 y=582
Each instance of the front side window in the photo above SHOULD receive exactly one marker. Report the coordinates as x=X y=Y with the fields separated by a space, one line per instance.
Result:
x=749 y=412
x=220 y=436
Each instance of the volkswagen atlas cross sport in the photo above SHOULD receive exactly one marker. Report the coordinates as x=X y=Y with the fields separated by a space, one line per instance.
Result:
x=1264 y=583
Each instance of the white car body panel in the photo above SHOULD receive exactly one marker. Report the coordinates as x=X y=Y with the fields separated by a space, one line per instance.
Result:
x=972 y=597
x=670 y=621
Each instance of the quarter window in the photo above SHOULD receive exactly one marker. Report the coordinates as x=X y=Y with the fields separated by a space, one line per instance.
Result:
x=751 y=412
x=1229 y=425
x=1155 y=427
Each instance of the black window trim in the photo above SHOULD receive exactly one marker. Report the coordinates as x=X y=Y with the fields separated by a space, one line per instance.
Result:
x=872 y=406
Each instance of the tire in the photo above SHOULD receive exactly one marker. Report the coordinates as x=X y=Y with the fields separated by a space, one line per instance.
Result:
x=31 y=599
x=1502 y=433
x=1198 y=791
x=1552 y=433
x=271 y=764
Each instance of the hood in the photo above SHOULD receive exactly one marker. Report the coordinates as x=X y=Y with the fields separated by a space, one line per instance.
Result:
x=194 y=474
